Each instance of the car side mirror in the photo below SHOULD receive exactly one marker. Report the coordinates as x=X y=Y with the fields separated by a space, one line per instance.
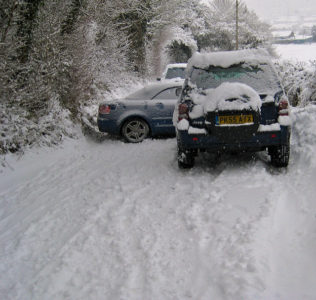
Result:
x=178 y=91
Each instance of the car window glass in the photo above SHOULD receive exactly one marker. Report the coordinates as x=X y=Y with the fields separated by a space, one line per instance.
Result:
x=167 y=94
x=260 y=78
x=175 y=73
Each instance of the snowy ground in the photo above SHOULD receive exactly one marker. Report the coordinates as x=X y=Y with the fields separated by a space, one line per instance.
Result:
x=118 y=221
x=296 y=52
x=121 y=221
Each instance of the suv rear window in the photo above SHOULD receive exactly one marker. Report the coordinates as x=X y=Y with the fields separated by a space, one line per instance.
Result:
x=262 y=78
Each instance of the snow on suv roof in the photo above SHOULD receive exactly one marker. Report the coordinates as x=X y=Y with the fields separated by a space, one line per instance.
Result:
x=226 y=59
x=179 y=65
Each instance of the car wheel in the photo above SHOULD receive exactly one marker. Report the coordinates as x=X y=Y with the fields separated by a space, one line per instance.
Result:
x=135 y=130
x=280 y=155
x=186 y=159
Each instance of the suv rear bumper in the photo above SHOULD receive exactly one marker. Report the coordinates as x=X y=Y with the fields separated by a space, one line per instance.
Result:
x=257 y=142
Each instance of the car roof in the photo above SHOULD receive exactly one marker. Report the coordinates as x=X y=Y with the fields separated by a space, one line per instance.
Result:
x=154 y=88
x=164 y=85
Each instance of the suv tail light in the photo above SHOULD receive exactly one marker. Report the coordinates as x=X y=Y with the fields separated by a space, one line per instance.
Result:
x=284 y=107
x=104 y=109
x=183 y=111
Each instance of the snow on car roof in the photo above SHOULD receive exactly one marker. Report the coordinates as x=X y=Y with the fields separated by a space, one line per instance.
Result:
x=226 y=59
x=179 y=65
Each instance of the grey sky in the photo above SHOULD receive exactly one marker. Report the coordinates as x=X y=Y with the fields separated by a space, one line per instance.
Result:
x=269 y=9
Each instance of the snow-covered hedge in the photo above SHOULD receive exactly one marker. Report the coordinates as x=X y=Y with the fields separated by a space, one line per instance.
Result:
x=19 y=131
x=299 y=81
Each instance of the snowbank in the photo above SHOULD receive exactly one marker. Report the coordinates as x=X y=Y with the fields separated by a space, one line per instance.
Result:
x=297 y=52
x=298 y=79
x=20 y=131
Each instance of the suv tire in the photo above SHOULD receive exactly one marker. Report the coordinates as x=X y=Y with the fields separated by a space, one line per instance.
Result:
x=280 y=155
x=186 y=159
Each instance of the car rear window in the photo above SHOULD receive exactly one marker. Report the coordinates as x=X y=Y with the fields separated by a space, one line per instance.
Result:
x=175 y=73
x=262 y=78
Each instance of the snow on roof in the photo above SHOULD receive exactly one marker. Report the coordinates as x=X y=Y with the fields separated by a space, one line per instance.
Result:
x=226 y=59
x=179 y=65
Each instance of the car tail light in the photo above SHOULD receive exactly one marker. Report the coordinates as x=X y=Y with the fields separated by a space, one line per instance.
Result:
x=104 y=109
x=183 y=111
x=284 y=107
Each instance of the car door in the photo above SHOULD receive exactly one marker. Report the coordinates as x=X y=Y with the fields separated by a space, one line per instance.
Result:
x=161 y=107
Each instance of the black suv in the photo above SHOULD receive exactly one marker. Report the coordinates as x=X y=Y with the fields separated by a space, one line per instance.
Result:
x=232 y=101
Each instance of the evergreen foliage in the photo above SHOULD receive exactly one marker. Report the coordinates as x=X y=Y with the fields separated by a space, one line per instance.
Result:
x=179 y=52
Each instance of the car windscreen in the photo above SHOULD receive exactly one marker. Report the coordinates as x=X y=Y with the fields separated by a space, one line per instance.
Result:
x=261 y=78
x=175 y=73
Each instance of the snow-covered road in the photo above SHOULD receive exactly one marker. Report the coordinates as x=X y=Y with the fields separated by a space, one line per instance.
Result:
x=120 y=221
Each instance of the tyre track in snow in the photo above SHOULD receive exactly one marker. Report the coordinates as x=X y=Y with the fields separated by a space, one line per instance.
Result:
x=41 y=208
x=228 y=268
x=291 y=225
x=26 y=232
x=125 y=220
x=120 y=221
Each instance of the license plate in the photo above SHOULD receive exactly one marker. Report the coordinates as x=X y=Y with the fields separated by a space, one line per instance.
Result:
x=234 y=120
